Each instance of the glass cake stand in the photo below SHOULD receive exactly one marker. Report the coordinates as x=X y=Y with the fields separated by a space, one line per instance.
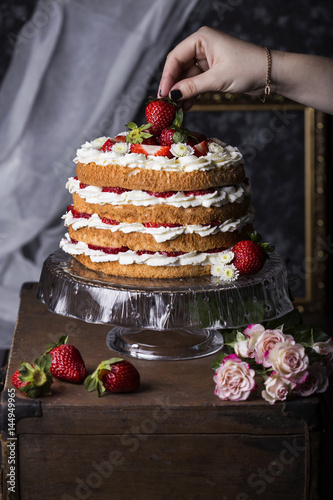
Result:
x=163 y=319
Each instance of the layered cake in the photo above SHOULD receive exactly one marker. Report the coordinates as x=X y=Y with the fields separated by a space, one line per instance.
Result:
x=149 y=204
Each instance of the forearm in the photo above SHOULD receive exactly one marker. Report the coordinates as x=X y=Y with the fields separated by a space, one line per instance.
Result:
x=303 y=78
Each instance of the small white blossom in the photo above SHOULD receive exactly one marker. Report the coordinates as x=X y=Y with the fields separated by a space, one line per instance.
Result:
x=121 y=148
x=215 y=148
x=226 y=256
x=181 y=149
x=226 y=272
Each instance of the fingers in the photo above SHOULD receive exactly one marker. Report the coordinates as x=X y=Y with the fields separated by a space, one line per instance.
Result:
x=180 y=60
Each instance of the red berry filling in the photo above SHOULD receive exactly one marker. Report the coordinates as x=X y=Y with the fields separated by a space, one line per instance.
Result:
x=117 y=190
x=142 y=252
x=108 y=250
x=172 y=254
x=155 y=224
x=166 y=194
x=110 y=221
x=215 y=250
x=200 y=192
x=76 y=214
x=82 y=185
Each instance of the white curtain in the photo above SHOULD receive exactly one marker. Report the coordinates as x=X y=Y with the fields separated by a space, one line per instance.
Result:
x=80 y=70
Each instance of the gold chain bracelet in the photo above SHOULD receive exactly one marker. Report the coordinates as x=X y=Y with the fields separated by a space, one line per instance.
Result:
x=267 y=89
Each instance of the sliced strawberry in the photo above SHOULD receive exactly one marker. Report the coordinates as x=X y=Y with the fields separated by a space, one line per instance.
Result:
x=119 y=138
x=201 y=149
x=151 y=150
x=83 y=186
x=107 y=146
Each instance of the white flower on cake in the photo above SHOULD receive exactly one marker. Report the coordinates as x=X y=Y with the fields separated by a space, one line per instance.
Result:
x=216 y=148
x=121 y=148
x=181 y=149
x=226 y=272
x=226 y=256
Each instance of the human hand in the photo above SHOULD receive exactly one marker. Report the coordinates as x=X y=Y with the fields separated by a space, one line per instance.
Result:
x=209 y=60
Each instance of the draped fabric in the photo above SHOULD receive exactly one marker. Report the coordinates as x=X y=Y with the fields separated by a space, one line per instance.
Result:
x=80 y=70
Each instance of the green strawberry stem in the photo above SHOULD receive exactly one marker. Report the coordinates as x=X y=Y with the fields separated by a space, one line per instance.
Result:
x=63 y=340
x=137 y=134
x=93 y=381
x=266 y=247
x=38 y=376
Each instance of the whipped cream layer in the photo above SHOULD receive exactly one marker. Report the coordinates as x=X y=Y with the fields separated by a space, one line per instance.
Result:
x=132 y=257
x=90 y=152
x=160 y=234
x=219 y=197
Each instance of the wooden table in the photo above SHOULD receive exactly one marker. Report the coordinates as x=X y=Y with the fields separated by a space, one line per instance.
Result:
x=172 y=439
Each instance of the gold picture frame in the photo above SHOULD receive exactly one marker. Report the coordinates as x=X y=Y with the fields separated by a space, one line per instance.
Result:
x=317 y=241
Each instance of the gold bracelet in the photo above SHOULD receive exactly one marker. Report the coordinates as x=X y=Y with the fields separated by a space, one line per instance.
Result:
x=267 y=89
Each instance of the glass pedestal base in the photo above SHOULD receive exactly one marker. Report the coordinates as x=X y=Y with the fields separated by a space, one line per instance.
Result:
x=163 y=318
x=174 y=345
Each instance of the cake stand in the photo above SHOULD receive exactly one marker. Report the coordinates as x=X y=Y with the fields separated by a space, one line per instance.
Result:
x=163 y=319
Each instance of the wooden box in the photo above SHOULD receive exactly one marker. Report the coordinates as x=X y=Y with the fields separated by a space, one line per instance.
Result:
x=172 y=439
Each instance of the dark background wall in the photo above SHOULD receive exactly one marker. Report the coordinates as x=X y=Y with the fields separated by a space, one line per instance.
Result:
x=275 y=165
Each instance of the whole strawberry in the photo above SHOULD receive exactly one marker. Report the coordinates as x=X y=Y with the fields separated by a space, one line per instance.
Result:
x=250 y=255
x=160 y=113
x=67 y=363
x=113 y=375
x=34 y=379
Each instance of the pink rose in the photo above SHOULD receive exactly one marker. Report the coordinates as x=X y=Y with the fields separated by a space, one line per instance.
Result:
x=277 y=388
x=324 y=348
x=289 y=360
x=267 y=340
x=234 y=379
x=253 y=332
x=242 y=349
x=316 y=381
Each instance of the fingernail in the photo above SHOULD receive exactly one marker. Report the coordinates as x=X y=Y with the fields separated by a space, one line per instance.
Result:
x=160 y=92
x=176 y=94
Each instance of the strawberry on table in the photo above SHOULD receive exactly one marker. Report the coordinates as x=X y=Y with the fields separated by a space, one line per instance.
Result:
x=34 y=379
x=67 y=363
x=113 y=375
x=250 y=255
x=160 y=113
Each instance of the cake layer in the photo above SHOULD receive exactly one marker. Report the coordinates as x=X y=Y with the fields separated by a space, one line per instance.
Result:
x=163 y=213
x=139 y=241
x=142 y=270
x=159 y=180
x=212 y=197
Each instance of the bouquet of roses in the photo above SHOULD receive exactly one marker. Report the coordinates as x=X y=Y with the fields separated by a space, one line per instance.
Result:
x=282 y=359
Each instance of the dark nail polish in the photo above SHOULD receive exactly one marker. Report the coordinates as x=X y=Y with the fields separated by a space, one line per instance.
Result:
x=176 y=94
x=160 y=93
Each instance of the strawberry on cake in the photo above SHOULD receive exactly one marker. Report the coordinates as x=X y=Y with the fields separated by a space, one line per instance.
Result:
x=159 y=201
